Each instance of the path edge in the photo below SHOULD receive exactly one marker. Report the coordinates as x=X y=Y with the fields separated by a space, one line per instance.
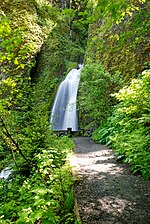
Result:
x=74 y=170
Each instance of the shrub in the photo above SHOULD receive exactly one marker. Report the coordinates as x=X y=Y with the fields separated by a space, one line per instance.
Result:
x=128 y=129
x=95 y=101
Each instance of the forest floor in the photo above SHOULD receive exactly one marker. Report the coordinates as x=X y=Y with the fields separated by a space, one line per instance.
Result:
x=106 y=190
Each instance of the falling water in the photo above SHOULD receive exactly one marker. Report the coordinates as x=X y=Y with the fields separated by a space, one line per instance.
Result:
x=64 y=111
x=5 y=173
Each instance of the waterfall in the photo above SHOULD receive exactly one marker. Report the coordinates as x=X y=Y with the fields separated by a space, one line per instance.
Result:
x=5 y=173
x=64 y=111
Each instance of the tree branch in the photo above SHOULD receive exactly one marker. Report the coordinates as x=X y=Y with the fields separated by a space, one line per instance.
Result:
x=7 y=133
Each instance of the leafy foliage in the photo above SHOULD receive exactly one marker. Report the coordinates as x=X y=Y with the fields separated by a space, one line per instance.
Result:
x=46 y=196
x=118 y=37
x=95 y=87
x=128 y=129
x=41 y=186
x=78 y=15
x=38 y=155
x=14 y=51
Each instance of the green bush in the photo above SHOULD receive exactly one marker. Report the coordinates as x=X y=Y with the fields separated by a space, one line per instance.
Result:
x=95 y=101
x=128 y=129
x=46 y=195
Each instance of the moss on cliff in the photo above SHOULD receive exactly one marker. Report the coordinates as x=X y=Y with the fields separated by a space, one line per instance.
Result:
x=28 y=24
x=119 y=36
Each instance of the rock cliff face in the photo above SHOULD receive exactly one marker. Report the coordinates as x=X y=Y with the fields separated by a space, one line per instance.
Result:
x=118 y=37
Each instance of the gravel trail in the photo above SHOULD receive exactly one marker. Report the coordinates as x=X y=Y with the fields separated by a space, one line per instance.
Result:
x=107 y=192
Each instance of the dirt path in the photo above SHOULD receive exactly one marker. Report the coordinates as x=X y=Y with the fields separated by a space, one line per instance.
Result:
x=107 y=192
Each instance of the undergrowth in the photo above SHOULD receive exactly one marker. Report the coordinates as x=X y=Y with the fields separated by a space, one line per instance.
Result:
x=128 y=129
x=46 y=196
